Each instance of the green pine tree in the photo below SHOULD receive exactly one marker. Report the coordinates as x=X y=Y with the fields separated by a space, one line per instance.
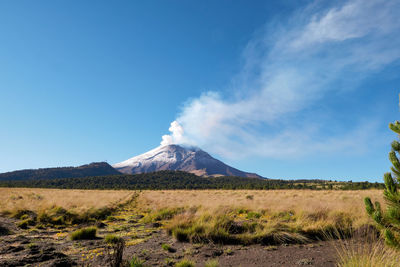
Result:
x=389 y=220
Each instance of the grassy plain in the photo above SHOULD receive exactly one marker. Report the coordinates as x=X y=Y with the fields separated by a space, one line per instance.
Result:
x=37 y=199
x=257 y=216
x=268 y=201
x=226 y=217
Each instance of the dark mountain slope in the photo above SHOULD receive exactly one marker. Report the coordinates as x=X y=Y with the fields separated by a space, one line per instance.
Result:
x=92 y=169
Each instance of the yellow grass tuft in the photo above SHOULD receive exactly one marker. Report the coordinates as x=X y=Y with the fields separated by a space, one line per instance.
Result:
x=366 y=254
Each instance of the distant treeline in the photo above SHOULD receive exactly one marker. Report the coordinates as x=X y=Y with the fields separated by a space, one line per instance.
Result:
x=183 y=180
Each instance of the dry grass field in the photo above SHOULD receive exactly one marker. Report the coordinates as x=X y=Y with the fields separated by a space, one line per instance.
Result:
x=274 y=200
x=270 y=201
x=299 y=202
x=37 y=199
x=188 y=220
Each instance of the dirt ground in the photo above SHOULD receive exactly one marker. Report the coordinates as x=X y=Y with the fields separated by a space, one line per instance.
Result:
x=53 y=247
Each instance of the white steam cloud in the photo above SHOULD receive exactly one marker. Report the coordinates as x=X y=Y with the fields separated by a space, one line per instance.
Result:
x=285 y=73
x=176 y=136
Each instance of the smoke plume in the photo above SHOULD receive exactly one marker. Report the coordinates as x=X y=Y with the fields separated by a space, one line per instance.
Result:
x=287 y=70
x=176 y=136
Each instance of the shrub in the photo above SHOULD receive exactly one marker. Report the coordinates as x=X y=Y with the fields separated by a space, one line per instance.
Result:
x=366 y=254
x=163 y=214
x=169 y=261
x=212 y=263
x=253 y=215
x=84 y=233
x=168 y=248
x=112 y=239
x=185 y=263
x=111 y=218
x=99 y=214
x=57 y=216
x=165 y=247
x=25 y=223
x=228 y=251
x=226 y=229
x=136 y=262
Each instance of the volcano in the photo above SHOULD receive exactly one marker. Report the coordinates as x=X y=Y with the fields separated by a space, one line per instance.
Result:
x=175 y=157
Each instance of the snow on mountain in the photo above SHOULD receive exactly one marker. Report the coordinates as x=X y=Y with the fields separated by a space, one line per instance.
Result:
x=175 y=157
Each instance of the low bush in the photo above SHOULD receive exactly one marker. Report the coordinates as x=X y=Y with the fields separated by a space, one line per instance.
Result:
x=165 y=247
x=212 y=263
x=250 y=227
x=168 y=248
x=84 y=233
x=111 y=218
x=24 y=217
x=57 y=216
x=185 y=263
x=162 y=214
x=19 y=213
x=112 y=239
x=366 y=254
x=136 y=262
x=253 y=215
x=24 y=224
x=97 y=214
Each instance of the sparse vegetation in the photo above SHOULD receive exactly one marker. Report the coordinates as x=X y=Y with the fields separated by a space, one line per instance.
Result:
x=212 y=263
x=366 y=254
x=112 y=239
x=136 y=262
x=84 y=233
x=25 y=223
x=202 y=217
x=168 y=248
x=162 y=214
x=185 y=263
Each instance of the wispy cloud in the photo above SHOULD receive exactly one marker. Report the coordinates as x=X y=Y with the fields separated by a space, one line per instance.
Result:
x=288 y=68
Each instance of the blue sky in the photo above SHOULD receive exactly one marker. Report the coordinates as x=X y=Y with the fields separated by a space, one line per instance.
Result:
x=287 y=89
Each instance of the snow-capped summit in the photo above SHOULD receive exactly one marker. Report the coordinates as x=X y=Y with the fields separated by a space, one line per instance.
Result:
x=175 y=157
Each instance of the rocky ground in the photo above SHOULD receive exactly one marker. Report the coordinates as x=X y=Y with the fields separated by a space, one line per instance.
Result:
x=53 y=247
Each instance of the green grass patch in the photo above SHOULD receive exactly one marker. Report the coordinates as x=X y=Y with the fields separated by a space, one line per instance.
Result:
x=112 y=239
x=212 y=263
x=84 y=233
x=185 y=263
x=162 y=214
x=168 y=248
x=24 y=224
x=136 y=262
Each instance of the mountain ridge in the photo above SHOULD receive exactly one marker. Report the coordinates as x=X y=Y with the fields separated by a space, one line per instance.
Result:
x=92 y=169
